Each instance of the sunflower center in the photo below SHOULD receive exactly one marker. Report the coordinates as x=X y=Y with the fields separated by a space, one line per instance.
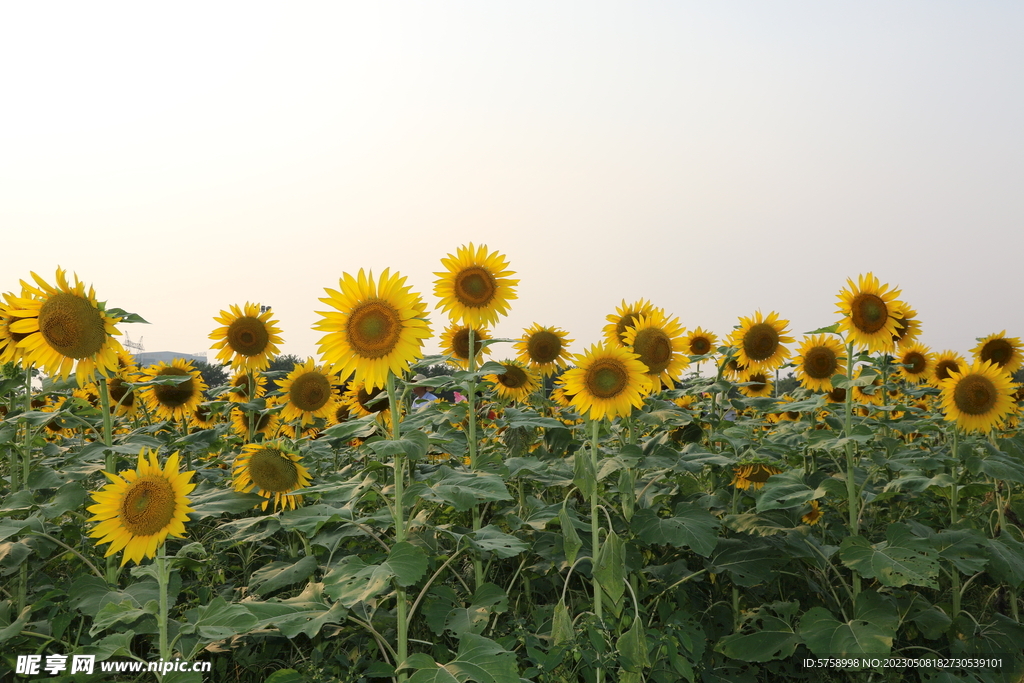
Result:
x=916 y=361
x=368 y=397
x=514 y=377
x=460 y=343
x=760 y=342
x=869 y=313
x=248 y=336
x=544 y=347
x=759 y=381
x=837 y=395
x=341 y=412
x=475 y=287
x=943 y=368
x=374 y=328
x=699 y=346
x=240 y=386
x=975 y=395
x=120 y=392
x=820 y=362
x=147 y=506
x=310 y=391
x=271 y=470
x=71 y=325
x=625 y=322
x=606 y=378
x=654 y=348
x=174 y=395
x=998 y=351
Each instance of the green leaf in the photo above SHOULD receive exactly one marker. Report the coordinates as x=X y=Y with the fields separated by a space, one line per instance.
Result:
x=304 y=614
x=879 y=610
x=749 y=561
x=765 y=634
x=829 y=329
x=491 y=539
x=1006 y=560
x=786 y=491
x=463 y=490
x=583 y=474
x=900 y=560
x=519 y=418
x=487 y=600
x=278 y=574
x=611 y=567
x=15 y=628
x=219 y=620
x=826 y=636
x=561 y=626
x=967 y=549
x=413 y=444
x=125 y=316
x=632 y=647
x=69 y=497
x=406 y=562
x=354 y=581
x=479 y=659
x=571 y=541
x=285 y=676
x=124 y=612
x=998 y=466
x=208 y=500
x=691 y=527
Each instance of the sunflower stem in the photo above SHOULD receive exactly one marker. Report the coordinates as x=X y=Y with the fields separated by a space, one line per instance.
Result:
x=163 y=578
x=595 y=533
x=954 y=517
x=108 y=428
x=1000 y=512
x=26 y=460
x=851 y=484
x=249 y=399
x=478 y=565
x=402 y=605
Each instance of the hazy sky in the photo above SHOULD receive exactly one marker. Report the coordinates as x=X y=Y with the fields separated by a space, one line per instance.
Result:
x=715 y=158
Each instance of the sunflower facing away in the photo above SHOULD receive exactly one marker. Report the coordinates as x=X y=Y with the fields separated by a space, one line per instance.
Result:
x=979 y=397
x=248 y=339
x=376 y=327
x=309 y=393
x=700 y=342
x=624 y=317
x=362 y=401
x=518 y=382
x=173 y=401
x=608 y=381
x=1001 y=350
x=455 y=343
x=918 y=362
x=140 y=508
x=273 y=471
x=752 y=475
x=759 y=342
x=818 y=359
x=64 y=328
x=946 y=362
x=870 y=313
x=476 y=287
x=544 y=349
x=659 y=343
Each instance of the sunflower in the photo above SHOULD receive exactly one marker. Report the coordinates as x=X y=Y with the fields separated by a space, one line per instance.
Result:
x=560 y=398
x=836 y=395
x=608 y=381
x=476 y=287
x=173 y=401
x=57 y=428
x=9 y=351
x=814 y=516
x=757 y=385
x=780 y=414
x=544 y=349
x=1001 y=350
x=946 y=362
x=140 y=508
x=624 y=317
x=274 y=471
x=455 y=343
x=203 y=417
x=870 y=313
x=659 y=343
x=64 y=327
x=752 y=475
x=869 y=394
x=122 y=397
x=979 y=397
x=909 y=325
x=341 y=412
x=734 y=370
x=699 y=342
x=819 y=358
x=238 y=386
x=309 y=390
x=917 y=360
x=248 y=338
x=518 y=382
x=378 y=327
x=759 y=342
x=264 y=422
x=362 y=402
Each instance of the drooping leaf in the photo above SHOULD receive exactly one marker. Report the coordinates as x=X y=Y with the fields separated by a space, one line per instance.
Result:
x=571 y=541
x=749 y=561
x=1006 y=560
x=219 y=620
x=632 y=648
x=786 y=491
x=611 y=567
x=491 y=539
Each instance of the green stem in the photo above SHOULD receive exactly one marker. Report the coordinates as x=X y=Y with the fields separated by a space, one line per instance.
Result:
x=26 y=460
x=108 y=428
x=595 y=531
x=402 y=607
x=954 y=504
x=163 y=577
x=1014 y=610
x=478 y=565
x=851 y=484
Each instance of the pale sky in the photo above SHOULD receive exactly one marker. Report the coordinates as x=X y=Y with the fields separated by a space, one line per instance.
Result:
x=714 y=158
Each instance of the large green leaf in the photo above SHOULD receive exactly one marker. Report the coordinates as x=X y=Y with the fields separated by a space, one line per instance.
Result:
x=571 y=541
x=413 y=444
x=463 y=490
x=354 y=581
x=967 y=549
x=766 y=633
x=1006 y=560
x=583 y=474
x=826 y=636
x=491 y=539
x=479 y=659
x=749 y=561
x=786 y=491
x=489 y=599
x=219 y=620
x=278 y=574
x=997 y=465
x=208 y=500
x=690 y=527
x=611 y=567
x=900 y=560
x=632 y=648
x=306 y=613
x=406 y=562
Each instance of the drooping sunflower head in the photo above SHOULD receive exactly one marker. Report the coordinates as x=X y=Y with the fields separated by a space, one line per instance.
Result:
x=243 y=383
x=544 y=349
x=1006 y=352
x=870 y=313
x=918 y=362
x=760 y=341
x=819 y=358
x=978 y=398
x=455 y=343
x=909 y=325
x=945 y=363
x=813 y=516
x=700 y=342
x=248 y=338
x=756 y=384
x=377 y=327
x=140 y=508
x=274 y=471
x=173 y=401
x=608 y=381
x=476 y=287
x=753 y=474
x=660 y=345
x=517 y=383
x=309 y=392
x=624 y=317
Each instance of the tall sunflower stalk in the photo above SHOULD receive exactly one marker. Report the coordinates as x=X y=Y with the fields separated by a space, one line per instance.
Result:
x=478 y=566
x=853 y=499
x=402 y=606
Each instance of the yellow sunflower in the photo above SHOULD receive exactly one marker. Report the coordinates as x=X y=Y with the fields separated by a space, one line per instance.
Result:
x=377 y=327
x=518 y=382
x=309 y=392
x=362 y=402
x=455 y=343
x=123 y=400
x=560 y=398
x=238 y=386
x=910 y=326
x=757 y=385
x=869 y=394
x=203 y=417
x=759 y=342
x=946 y=362
x=248 y=339
x=341 y=412
x=9 y=351
x=814 y=516
x=870 y=313
x=608 y=381
x=65 y=328
x=979 y=397
x=624 y=317
x=819 y=358
x=836 y=395
x=265 y=422
x=700 y=342
x=140 y=508
x=476 y=287
x=274 y=471
x=734 y=370
x=753 y=475
x=173 y=401
x=544 y=349
x=659 y=343
x=1001 y=350
x=918 y=362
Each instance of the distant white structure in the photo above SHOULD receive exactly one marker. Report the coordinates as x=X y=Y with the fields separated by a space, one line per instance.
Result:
x=151 y=357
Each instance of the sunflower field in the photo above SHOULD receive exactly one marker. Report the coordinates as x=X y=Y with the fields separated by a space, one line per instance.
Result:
x=650 y=509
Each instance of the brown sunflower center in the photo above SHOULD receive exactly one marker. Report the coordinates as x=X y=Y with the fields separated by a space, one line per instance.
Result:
x=544 y=346
x=943 y=368
x=916 y=363
x=654 y=348
x=273 y=471
x=837 y=395
x=759 y=382
x=975 y=395
x=310 y=391
x=514 y=377
x=203 y=413
x=248 y=336
x=607 y=378
x=869 y=313
x=699 y=346
x=368 y=403
x=147 y=506
x=71 y=325
x=374 y=328
x=174 y=395
x=460 y=343
x=820 y=362
x=341 y=413
x=626 y=321
x=760 y=342
x=240 y=386
x=999 y=351
x=902 y=329
x=475 y=287
x=120 y=392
